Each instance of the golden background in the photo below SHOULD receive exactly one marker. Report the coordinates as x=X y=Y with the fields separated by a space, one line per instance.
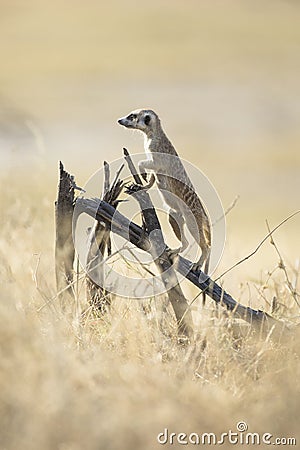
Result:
x=224 y=78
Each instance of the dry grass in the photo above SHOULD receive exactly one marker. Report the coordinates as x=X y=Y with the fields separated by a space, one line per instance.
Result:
x=224 y=77
x=119 y=381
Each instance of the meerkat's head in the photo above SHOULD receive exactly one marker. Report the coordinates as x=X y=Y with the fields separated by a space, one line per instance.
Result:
x=144 y=120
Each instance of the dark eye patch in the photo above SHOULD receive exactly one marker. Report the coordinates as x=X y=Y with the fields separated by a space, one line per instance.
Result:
x=147 y=119
x=131 y=117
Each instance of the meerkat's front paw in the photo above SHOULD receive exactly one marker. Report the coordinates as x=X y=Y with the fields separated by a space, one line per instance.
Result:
x=144 y=176
x=202 y=276
x=196 y=267
x=173 y=254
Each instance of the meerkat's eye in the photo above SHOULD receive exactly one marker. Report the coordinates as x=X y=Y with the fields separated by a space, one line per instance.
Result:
x=131 y=117
x=147 y=119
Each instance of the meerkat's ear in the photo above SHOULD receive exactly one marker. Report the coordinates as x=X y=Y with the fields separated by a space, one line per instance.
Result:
x=147 y=119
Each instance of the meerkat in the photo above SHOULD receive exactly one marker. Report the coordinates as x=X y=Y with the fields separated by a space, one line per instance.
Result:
x=173 y=182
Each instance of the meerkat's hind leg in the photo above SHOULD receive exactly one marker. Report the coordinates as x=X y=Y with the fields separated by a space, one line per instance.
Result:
x=203 y=238
x=177 y=222
x=204 y=258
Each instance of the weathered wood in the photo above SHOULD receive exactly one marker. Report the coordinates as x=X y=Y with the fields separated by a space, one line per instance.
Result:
x=257 y=318
x=97 y=296
x=160 y=256
x=101 y=211
x=64 y=247
x=99 y=245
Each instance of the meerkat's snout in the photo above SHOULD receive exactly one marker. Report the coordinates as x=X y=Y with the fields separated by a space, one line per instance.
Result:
x=121 y=122
x=129 y=121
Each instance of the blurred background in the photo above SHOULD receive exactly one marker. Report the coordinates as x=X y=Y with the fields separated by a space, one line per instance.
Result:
x=223 y=76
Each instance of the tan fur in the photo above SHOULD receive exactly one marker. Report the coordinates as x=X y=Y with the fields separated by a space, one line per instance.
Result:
x=176 y=181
